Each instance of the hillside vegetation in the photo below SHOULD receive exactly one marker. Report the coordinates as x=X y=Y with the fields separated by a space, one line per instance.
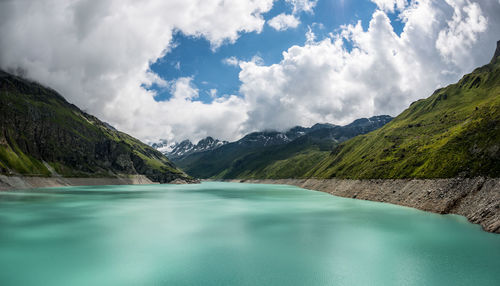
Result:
x=41 y=134
x=274 y=154
x=454 y=132
x=290 y=160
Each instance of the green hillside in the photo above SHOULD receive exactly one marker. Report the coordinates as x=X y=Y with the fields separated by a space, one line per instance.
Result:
x=41 y=134
x=250 y=157
x=291 y=160
x=454 y=132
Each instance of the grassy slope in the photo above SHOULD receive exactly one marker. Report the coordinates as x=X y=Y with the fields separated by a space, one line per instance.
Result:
x=214 y=163
x=456 y=131
x=38 y=124
x=291 y=160
x=231 y=161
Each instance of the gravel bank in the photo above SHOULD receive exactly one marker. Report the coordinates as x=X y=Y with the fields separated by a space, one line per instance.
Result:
x=16 y=182
x=478 y=199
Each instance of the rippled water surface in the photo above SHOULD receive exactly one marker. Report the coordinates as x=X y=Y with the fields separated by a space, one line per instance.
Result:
x=233 y=234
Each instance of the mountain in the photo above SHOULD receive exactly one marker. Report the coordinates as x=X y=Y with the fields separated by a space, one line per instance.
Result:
x=163 y=146
x=41 y=134
x=177 y=151
x=454 y=132
x=273 y=154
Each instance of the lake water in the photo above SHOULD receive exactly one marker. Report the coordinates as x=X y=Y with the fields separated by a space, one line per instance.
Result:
x=233 y=234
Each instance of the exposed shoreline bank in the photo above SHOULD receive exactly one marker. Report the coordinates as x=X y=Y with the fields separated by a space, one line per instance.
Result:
x=478 y=199
x=18 y=182
x=12 y=183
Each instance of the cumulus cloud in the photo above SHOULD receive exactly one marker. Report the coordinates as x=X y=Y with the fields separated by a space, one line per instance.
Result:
x=98 y=53
x=324 y=81
x=462 y=32
x=283 y=22
x=182 y=114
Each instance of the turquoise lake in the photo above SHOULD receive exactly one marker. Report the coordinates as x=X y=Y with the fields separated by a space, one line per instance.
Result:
x=233 y=234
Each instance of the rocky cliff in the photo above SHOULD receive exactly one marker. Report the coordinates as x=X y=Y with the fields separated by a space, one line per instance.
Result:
x=43 y=135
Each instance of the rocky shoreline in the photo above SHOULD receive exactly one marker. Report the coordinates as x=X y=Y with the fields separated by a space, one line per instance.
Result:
x=19 y=182
x=478 y=199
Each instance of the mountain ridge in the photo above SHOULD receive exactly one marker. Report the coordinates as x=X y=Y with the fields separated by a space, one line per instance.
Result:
x=184 y=148
x=228 y=160
x=42 y=134
x=453 y=132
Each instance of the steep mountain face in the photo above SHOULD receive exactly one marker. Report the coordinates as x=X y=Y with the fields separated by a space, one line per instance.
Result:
x=342 y=133
x=180 y=150
x=324 y=131
x=266 y=138
x=496 y=54
x=41 y=134
x=209 y=143
x=273 y=154
x=163 y=146
x=454 y=132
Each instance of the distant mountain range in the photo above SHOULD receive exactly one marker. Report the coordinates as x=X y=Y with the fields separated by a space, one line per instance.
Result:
x=178 y=151
x=41 y=134
x=256 y=152
x=186 y=147
x=454 y=132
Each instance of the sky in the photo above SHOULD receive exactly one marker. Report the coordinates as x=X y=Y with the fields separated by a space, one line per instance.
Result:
x=187 y=69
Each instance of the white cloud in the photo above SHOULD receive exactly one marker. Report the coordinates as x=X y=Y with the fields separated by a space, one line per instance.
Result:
x=462 y=32
x=283 y=22
x=231 y=61
x=183 y=89
x=323 y=81
x=391 y=5
x=303 y=5
x=235 y=62
x=310 y=36
x=256 y=60
x=185 y=117
x=98 y=53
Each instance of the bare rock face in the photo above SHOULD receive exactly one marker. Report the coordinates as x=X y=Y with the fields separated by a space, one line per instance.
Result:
x=179 y=181
x=39 y=128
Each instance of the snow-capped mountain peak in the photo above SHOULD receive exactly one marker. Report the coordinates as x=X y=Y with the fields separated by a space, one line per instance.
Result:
x=181 y=149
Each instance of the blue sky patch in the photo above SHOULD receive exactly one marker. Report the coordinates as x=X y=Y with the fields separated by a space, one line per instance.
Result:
x=193 y=56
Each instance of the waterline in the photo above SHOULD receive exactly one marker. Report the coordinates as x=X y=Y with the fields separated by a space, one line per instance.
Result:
x=233 y=234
